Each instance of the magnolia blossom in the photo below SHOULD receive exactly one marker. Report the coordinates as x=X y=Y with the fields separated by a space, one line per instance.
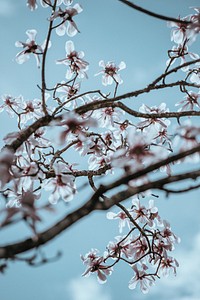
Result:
x=30 y=46
x=145 y=281
x=122 y=245
x=60 y=186
x=190 y=101
x=188 y=136
x=180 y=51
x=74 y=59
x=123 y=219
x=11 y=104
x=110 y=72
x=67 y=92
x=179 y=33
x=108 y=117
x=155 y=123
x=67 y=17
x=32 y=4
x=195 y=76
x=168 y=264
x=194 y=27
x=95 y=264
x=74 y=124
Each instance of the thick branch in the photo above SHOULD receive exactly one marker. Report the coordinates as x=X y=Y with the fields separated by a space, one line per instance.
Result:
x=11 y=250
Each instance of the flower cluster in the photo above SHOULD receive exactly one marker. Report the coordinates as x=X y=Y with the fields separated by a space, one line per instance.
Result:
x=146 y=252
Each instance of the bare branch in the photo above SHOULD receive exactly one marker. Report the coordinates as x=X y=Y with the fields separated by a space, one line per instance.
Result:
x=152 y=14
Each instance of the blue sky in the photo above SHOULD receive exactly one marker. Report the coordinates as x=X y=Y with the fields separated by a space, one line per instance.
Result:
x=109 y=31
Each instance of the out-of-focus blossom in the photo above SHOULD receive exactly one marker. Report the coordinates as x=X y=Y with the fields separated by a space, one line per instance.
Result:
x=62 y=185
x=180 y=51
x=6 y=160
x=74 y=59
x=190 y=101
x=72 y=123
x=110 y=72
x=11 y=104
x=195 y=76
x=32 y=4
x=67 y=17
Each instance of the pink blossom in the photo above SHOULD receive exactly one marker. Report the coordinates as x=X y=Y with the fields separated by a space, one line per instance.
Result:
x=180 y=51
x=110 y=72
x=168 y=264
x=74 y=59
x=67 y=92
x=190 y=101
x=195 y=76
x=141 y=277
x=30 y=46
x=155 y=123
x=179 y=33
x=32 y=4
x=67 y=17
x=121 y=246
x=62 y=185
x=108 y=117
x=11 y=104
x=94 y=264
x=123 y=219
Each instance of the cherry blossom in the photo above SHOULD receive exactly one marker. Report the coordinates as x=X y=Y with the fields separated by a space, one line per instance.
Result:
x=74 y=59
x=110 y=72
x=67 y=17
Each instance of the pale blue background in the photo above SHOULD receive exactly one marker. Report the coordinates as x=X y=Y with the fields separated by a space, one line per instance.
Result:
x=109 y=31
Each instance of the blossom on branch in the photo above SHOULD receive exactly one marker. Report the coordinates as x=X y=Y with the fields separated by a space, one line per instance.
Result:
x=110 y=72
x=95 y=264
x=62 y=185
x=67 y=17
x=74 y=59
x=30 y=47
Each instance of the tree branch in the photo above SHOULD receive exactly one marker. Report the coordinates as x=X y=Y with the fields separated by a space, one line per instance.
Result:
x=9 y=251
x=153 y=14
